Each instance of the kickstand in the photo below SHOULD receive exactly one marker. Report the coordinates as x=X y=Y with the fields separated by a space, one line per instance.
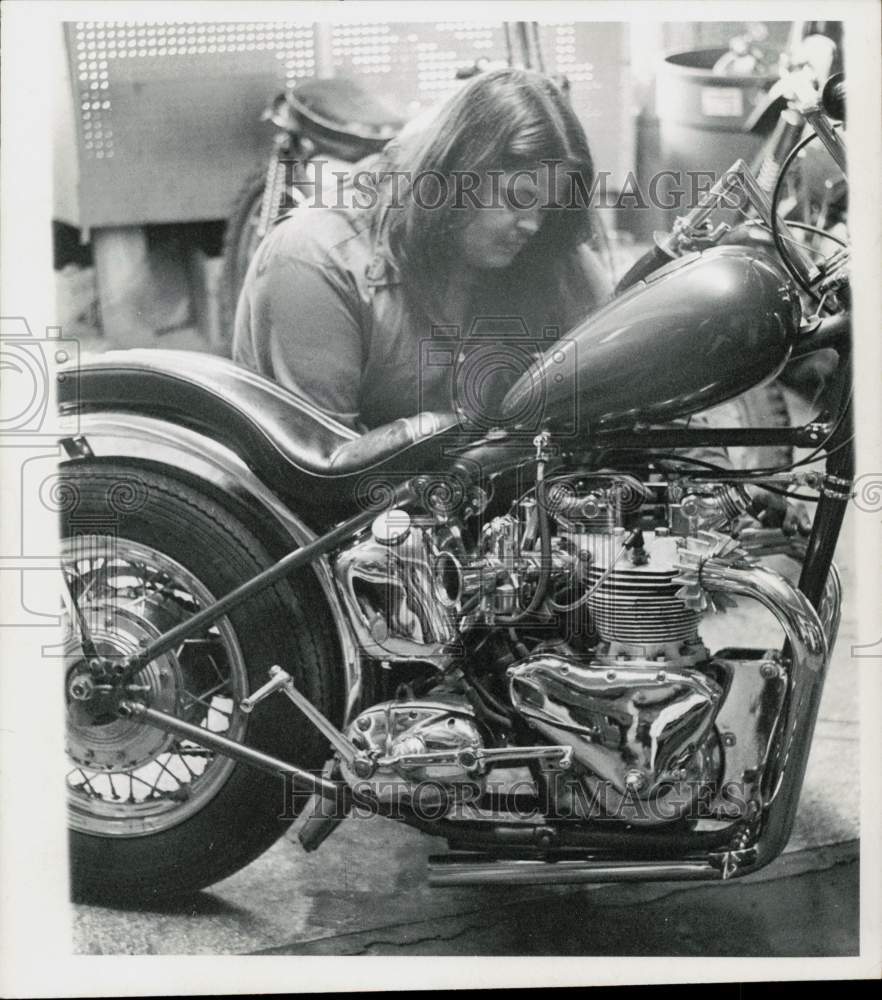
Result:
x=322 y=816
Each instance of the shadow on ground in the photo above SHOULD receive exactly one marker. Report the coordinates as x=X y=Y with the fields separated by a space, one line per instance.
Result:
x=802 y=914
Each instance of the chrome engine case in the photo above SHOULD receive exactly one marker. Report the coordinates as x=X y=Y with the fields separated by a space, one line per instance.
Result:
x=398 y=733
x=637 y=725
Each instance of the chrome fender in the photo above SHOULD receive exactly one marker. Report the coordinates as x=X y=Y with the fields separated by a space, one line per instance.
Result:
x=124 y=435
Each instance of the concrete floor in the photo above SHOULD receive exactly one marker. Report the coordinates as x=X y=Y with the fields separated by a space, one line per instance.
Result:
x=364 y=891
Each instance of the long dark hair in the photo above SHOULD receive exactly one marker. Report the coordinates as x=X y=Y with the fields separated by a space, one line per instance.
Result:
x=502 y=120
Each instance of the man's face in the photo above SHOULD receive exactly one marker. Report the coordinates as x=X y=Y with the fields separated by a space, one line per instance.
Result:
x=510 y=214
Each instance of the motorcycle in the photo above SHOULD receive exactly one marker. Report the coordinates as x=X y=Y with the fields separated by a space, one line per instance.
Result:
x=489 y=631
x=326 y=124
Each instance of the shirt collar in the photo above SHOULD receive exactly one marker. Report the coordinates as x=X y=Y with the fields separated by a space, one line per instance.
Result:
x=382 y=269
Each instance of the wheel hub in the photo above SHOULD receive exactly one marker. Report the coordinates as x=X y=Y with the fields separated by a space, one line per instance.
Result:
x=98 y=737
x=127 y=778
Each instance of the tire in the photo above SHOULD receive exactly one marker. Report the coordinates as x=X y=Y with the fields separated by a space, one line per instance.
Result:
x=119 y=520
x=240 y=243
x=241 y=240
x=763 y=406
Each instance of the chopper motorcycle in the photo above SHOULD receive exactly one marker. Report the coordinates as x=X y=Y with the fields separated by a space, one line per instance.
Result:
x=487 y=630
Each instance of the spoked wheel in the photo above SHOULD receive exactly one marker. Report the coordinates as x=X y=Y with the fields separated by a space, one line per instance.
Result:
x=129 y=779
x=153 y=814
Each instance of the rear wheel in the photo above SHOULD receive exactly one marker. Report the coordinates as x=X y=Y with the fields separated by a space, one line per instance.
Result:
x=151 y=814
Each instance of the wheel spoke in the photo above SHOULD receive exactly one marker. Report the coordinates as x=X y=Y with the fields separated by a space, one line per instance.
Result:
x=87 y=783
x=213 y=691
x=171 y=774
x=183 y=760
x=130 y=772
x=206 y=704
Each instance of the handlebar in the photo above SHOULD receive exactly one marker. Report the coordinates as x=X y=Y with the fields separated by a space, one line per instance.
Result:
x=651 y=261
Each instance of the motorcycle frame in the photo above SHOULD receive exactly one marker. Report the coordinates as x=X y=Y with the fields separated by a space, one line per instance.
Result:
x=744 y=846
x=738 y=849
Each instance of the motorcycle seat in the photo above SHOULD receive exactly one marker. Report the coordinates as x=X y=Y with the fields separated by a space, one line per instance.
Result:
x=343 y=117
x=289 y=443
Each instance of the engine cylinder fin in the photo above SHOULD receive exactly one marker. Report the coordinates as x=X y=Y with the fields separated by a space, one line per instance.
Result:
x=640 y=603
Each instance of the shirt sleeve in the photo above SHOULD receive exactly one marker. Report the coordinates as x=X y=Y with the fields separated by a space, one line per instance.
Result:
x=306 y=335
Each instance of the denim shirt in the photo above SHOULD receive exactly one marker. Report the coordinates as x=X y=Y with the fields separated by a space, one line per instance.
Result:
x=323 y=311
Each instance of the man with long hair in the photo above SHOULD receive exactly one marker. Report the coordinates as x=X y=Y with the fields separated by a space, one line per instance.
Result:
x=476 y=253
x=479 y=227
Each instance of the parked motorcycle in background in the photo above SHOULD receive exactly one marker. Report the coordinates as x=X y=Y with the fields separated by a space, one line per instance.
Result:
x=323 y=126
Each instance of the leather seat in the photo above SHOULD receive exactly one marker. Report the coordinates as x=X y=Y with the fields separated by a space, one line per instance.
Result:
x=341 y=116
x=294 y=447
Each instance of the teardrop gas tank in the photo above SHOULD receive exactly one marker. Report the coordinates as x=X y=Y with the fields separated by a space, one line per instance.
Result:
x=699 y=331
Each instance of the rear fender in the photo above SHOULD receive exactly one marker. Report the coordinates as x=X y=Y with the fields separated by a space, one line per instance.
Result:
x=146 y=439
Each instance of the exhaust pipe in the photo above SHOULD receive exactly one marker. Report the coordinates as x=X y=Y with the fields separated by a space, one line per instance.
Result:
x=810 y=635
x=445 y=872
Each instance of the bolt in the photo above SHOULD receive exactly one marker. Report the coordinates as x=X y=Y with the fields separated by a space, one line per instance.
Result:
x=363 y=723
x=728 y=739
x=768 y=671
x=610 y=675
x=661 y=676
x=635 y=779
x=363 y=768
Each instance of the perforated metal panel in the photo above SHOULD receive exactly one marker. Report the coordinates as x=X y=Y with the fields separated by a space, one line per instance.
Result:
x=416 y=62
x=593 y=56
x=167 y=113
x=418 y=59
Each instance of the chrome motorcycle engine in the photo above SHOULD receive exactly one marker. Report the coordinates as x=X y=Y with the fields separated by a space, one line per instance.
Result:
x=627 y=703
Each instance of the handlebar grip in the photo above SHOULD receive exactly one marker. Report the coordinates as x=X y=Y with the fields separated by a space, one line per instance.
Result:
x=652 y=260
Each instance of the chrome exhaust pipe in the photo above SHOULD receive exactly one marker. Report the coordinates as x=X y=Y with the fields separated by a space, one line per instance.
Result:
x=831 y=607
x=810 y=636
x=446 y=872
